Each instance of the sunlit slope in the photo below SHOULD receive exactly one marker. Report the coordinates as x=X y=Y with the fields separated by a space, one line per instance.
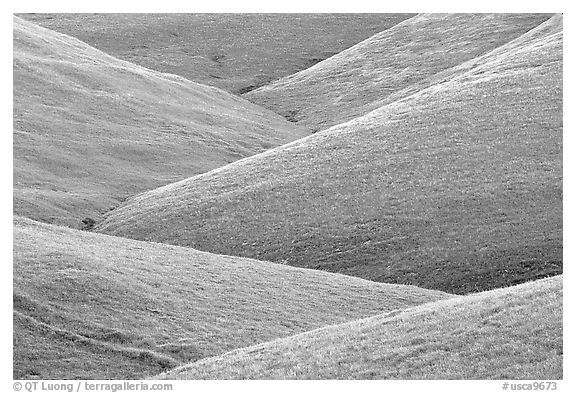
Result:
x=457 y=188
x=511 y=333
x=352 y=83
x=94 y=306
x=91 y=130
x=236 y=52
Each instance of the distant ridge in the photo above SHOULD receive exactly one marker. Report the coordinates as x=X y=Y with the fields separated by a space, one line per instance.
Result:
x=91 y=130
x=353 y=82
x=511 y=333
x=456 y=187
x=235 y=52
x=91 y=306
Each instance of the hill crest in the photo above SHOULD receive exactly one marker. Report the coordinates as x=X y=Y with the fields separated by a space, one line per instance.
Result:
x=91 y=130
x=468 y=170
x=481 y=336
x=84 y=301
x=357 y=80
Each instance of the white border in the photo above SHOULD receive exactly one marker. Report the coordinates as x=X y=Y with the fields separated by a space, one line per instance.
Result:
x=292 y=6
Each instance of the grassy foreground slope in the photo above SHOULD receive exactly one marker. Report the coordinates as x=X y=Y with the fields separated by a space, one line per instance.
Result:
x=90 y=130
x=94 y=306
x=510 y=333
x=236 y=52
x=348 y=84
x=457 y=187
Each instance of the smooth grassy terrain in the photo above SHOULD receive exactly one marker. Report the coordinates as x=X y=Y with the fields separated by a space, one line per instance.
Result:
x=510 y=333
x=457 y=187
x=94 y=306
x=235 y=52
x=91 y=130
x=355 y=81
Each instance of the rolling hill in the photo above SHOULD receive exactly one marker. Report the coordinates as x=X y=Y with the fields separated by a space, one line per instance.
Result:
x=357 y=80
x=456 y=187
x=511 y=333
x=235 y=52
x=91 y=130
x=89 y=306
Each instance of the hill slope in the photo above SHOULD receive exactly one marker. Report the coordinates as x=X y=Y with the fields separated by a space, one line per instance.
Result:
x=512 y=333
x=93 y=306
x=235 y=52
x=90 y=130
x=457 y=187
x=348 y=84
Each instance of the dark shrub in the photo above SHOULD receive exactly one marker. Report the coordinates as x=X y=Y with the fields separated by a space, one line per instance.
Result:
x=88 y=223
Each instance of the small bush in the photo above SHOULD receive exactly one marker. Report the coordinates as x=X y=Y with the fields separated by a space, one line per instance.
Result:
x=291 y=116
x=88 y=223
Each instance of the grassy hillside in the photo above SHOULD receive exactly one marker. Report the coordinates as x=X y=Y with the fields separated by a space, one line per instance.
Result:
x=353 y=82
x=236 y=52
x=91 y=130
x=93 y=306
x=457 y=187
x=512 y=333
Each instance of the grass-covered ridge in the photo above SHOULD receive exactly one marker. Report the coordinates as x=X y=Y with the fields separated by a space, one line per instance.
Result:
x=91 y=130
x=89 y=306
x=457 y=187
x=235 y=52
x=355 y=81
x=510 y=333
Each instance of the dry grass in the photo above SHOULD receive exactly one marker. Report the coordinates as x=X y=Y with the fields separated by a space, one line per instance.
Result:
x=451 y=179
x=511 y=333
x=94 y=306
x=236 y=52
x=91 y=130
x=457 y=187
x=355 y=81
